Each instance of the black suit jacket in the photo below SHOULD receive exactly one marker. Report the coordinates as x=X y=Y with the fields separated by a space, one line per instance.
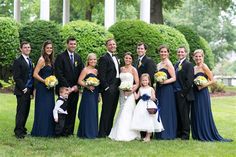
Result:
x=20 y=75
x=106 y=71
x=147 y=66
x=66 y=73
x=185 y=76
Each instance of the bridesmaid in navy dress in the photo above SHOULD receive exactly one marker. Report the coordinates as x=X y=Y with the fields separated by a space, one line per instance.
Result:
x=88 y=110
x=203 y=125
x=165 y=96
x=44 y=100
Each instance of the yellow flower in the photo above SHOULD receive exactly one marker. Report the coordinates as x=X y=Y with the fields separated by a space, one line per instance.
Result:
x=160 y=76
x=92 y=81
x=76 y=63
x=200 y=80
x=51 y=81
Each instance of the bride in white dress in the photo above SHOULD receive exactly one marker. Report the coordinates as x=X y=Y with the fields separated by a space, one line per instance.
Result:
x=121 y=130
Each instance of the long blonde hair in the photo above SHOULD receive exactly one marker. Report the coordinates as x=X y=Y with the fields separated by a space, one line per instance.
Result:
x=89 y=56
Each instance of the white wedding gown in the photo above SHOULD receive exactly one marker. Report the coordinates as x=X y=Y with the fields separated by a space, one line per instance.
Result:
x=121 y=130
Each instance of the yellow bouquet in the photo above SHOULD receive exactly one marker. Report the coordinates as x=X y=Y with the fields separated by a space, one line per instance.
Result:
x=200 y=80
x=92 y=81
x=51 y=81
x=160 y=76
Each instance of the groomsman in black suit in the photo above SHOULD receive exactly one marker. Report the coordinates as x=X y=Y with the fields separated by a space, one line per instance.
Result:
x=183 y=93
x=23 y=77
x=144 y=63
x=68 y=66
x=108 y=73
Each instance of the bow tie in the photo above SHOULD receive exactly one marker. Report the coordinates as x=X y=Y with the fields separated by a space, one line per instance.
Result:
x=114 y=54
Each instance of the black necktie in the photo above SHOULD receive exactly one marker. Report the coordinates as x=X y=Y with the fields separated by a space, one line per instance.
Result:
x=71 y=59
x=29 y=62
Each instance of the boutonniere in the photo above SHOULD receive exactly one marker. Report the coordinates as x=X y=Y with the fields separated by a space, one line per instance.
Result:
x=179 y=67
x=33 y=65
x=76 y=63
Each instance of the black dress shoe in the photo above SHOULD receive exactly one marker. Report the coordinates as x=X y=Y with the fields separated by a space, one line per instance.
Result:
x=184 y=138
x=20 y=136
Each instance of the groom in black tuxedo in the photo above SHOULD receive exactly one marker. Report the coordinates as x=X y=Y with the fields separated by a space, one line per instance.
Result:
x=144 y=63
x=68 y=66
x=183 y=93
x=23 y=77
x=108 y=73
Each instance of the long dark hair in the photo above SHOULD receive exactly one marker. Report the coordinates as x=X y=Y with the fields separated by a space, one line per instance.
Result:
x=48 y=58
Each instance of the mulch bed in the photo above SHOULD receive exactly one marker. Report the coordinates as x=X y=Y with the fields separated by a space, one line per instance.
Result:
x=223 y=94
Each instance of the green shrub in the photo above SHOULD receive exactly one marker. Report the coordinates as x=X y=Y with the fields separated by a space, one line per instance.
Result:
x=217 y=87
x=7 y=86
x=90 y=37
x=37 y=32
x=130 y=32
x=209 y=56
x=196 y=42
x=172 y=38
x=9 y=44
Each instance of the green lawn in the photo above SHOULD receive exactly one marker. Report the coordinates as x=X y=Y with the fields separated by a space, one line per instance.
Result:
x=224 y=109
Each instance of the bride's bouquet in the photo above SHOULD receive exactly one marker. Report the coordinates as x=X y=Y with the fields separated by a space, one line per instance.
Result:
x=200 y=80
x=51 y=81
x=160 y=76
x=92 y=81
x=126 y=86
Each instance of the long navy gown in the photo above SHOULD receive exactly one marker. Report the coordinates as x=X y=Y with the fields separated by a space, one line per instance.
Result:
x=88 y=113
x=44 y=103
x=203 y=126
x=166 y=98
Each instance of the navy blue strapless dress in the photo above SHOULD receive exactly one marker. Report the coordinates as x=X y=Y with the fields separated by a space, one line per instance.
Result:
x=166 y=98
x=88 y=113
x=203 y=126
x=44 y=103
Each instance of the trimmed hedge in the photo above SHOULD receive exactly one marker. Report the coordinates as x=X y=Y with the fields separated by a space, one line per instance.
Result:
x=90 y=37
x=172 y=38
x=37 y=32
x=128 y=33
x=196 y=42
x=9 y=40
x=209 y=56
x=9 y=45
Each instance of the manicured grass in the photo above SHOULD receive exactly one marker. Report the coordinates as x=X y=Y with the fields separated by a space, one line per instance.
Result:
x=224 y=110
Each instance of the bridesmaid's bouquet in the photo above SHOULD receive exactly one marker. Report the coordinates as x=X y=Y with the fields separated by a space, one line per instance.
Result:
x=160 y=76
x=51 y=81
x=200 y=80
x=126 y=86
x=92 y=81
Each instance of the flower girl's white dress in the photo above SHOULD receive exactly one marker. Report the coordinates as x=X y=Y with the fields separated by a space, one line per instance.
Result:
x=121 y=130
x=142 y=120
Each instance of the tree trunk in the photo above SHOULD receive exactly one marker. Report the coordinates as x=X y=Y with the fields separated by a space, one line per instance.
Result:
x=88 y=12
x=156 y=12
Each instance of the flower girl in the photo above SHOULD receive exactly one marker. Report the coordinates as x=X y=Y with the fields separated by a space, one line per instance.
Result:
x=143 y=120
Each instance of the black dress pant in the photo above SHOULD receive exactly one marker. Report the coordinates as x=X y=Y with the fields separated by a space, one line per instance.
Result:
x=110 y=100
x=71 y=110
x=183 y=116
x=60 y=125
x=22 y=112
